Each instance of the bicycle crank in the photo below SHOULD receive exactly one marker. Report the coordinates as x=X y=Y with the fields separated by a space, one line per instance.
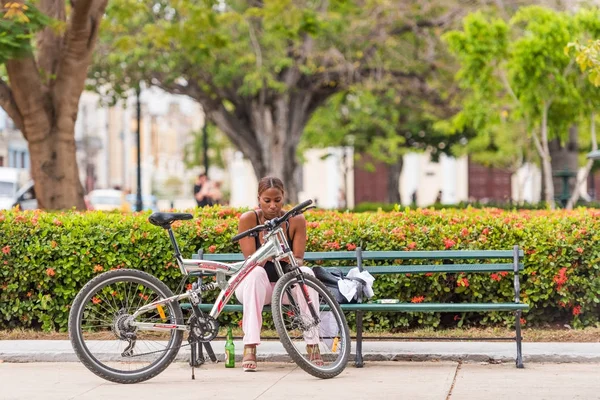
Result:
x=204 y=328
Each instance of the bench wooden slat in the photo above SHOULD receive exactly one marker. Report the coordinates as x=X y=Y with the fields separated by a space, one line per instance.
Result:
x=433 y=268
x=438 y=254
x=385 y=255
x=309 y=256
x=407 y=307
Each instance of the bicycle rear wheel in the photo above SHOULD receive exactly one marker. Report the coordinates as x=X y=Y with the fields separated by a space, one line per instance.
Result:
x=103 y=339
x=303 y=337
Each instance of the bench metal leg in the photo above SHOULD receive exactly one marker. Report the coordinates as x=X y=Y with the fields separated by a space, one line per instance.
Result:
x=359 y=328
x=519 y=360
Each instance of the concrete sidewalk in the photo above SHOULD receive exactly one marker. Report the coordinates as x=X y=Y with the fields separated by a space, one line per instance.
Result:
x=274 y=381
x=61 y=351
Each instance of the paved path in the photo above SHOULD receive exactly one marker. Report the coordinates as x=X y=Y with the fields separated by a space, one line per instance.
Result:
x=378 y=380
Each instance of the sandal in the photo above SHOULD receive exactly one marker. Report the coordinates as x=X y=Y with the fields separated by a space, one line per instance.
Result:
x=249 y=360
x=314 y=354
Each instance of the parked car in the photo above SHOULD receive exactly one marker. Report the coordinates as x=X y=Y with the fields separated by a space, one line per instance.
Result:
x=12 y=184
x=25 y=197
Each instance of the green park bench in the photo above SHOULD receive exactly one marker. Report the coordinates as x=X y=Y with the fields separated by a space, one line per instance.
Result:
x=443 y=261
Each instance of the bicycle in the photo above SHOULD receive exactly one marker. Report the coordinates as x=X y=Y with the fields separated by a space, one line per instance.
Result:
x=142 y=319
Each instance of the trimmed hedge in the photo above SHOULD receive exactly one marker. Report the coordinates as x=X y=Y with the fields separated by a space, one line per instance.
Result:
x=45 y=258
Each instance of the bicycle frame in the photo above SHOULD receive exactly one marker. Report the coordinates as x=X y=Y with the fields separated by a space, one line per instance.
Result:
x=275 y=248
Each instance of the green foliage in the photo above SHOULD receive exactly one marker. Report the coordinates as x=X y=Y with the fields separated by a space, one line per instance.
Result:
x=228 y=49
x=510 y=70
x=47 y=257
x=588 y=59
x=482 y=47
x=18 y=26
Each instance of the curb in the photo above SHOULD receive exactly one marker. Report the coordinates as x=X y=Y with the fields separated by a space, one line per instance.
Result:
x=18 y=351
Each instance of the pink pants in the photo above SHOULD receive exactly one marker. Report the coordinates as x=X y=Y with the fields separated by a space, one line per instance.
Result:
x=255 y=291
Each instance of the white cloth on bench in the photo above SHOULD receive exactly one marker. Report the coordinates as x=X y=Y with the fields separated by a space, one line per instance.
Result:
x=349 y=287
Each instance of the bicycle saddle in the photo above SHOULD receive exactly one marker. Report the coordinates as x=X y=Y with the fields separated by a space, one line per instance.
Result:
x=164 y=219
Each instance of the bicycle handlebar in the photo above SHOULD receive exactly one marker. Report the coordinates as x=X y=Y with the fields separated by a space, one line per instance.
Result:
x=275 y=222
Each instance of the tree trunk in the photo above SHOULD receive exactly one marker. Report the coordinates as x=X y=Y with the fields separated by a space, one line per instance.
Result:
x=54 y=170
x=46 y=109
x=267 y=131
x=544 y=152
x=588 y=166
x=393 y=186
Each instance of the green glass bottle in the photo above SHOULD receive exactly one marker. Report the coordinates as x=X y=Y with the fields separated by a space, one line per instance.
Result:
x=229 y=350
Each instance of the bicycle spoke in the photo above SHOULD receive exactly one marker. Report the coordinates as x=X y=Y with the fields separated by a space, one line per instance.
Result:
x=319 y=345
x=107 y=336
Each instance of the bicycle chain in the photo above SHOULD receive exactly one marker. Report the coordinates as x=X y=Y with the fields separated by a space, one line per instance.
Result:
x=160 y=351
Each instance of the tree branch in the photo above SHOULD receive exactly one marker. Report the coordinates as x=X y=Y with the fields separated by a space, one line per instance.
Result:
x=7 y=102
x=429 y=23
x=230 y=124
x=76 y=57
x=30 y=97
x=48 y=43
x=588 y=166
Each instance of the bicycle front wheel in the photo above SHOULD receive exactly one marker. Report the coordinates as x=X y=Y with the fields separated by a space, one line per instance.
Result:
x=321 y=345
x=102 y=335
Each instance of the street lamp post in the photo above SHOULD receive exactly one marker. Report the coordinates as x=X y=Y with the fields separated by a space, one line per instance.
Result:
x=138 y=200
x=205 y=147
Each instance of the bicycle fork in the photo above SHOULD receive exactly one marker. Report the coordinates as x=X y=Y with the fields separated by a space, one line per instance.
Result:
x=306 y=295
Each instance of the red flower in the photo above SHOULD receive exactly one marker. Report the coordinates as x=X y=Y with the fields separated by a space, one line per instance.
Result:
x=464 y=282
x=485 y=231
x=523 y=321
x=240 y=323
x=96 y=300
x=579 y=250
x=57 y=222
x=561 y=278
x=6 y=249
x=503 y=273
x=212 y=249
x=351 y=246
x=332 y=245
x=429 y=274
x=98 y=268
x=188 y=286
x=456 y=317
x=449 y=243
x=412 y=245
x=496 y=277
x=464 y=232
x=576 y=310
x=417 y=299
x=50 y=272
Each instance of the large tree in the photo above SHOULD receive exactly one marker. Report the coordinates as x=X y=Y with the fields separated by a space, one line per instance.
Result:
x=519 y=82
x=41 y=85
x=260 y=69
